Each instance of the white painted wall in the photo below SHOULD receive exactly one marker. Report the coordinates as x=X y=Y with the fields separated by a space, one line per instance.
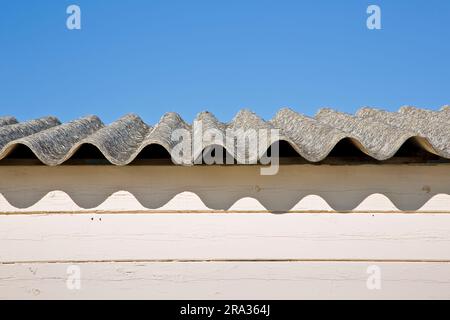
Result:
x=226 y=280
x=206 y=232
x=260 y=256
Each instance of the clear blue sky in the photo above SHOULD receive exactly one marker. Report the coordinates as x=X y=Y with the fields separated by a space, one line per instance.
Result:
x=149 y=57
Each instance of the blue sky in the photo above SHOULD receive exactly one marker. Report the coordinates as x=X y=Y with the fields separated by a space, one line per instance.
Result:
x=150 y=57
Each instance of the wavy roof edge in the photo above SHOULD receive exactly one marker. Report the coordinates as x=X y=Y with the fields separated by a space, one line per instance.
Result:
x=377 y=133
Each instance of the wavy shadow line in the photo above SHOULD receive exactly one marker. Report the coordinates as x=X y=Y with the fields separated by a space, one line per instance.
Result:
x=61 y=201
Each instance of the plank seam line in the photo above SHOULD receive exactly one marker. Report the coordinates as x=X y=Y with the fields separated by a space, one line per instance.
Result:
x=224 y=261
x=111 y=212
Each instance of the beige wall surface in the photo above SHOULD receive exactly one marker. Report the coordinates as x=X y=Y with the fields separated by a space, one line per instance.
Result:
x=370 y=232
x=296 y=187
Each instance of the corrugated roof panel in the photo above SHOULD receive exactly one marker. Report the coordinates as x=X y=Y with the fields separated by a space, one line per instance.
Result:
x=4 y=121
x=379 y=134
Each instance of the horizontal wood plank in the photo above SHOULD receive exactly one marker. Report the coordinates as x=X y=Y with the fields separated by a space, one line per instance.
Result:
x=232 y=280
x=221 y=236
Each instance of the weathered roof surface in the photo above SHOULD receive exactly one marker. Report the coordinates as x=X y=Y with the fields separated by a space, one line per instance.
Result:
x=377 y=133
